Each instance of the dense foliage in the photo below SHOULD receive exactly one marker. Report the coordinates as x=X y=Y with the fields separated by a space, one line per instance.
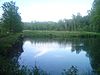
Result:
x=11 y=20
x=77 y=23
x=95 y=15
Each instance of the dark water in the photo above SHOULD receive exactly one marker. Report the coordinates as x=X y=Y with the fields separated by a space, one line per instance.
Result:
x=54 y=55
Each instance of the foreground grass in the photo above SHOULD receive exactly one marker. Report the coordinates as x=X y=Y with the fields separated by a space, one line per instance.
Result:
x=8 y=67
x=59 y=34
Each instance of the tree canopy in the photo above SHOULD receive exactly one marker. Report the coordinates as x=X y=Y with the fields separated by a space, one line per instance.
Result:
x=11 y=19
x=95 y=15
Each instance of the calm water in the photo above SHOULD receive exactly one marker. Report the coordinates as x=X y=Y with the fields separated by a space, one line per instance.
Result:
x=55 y=55
x=51 y=55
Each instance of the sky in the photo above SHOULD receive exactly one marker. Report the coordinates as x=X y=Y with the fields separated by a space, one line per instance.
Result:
x=50 y=10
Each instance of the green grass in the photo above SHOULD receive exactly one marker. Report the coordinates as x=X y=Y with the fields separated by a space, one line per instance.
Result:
x=59 y=34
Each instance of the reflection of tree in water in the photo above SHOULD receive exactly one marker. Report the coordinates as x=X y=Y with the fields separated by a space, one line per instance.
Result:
x=9 y=60
x=93 y=51
x=77 y=45
x=92 y=47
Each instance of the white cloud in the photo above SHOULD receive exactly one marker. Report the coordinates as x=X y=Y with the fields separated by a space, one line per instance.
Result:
x=51 y=10
x=45 y=12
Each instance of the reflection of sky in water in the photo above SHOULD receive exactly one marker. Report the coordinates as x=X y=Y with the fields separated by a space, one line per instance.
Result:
x=52 y=56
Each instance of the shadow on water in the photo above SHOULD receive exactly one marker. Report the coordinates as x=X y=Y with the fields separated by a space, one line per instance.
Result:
x=9 y=64
x=92 y=47
x=10 y=50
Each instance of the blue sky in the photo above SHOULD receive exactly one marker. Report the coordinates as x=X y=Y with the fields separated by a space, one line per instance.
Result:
x=50 y=10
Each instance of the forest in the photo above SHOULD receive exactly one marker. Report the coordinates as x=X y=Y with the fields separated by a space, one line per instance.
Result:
x=11 y=21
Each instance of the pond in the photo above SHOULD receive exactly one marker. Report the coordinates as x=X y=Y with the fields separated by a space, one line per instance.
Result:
x=54 y=55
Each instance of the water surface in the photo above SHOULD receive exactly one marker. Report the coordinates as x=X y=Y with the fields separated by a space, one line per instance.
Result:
x=53 y=55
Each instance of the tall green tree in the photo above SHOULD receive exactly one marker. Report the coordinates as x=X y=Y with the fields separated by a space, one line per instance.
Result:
x=95 y=15
x=11 y=19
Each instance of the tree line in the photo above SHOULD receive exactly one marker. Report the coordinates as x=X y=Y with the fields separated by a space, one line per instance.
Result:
x=90 y=22
x=10 y=21
x=77 y=23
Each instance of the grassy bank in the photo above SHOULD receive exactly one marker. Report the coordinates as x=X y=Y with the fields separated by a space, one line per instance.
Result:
x=59 y=34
